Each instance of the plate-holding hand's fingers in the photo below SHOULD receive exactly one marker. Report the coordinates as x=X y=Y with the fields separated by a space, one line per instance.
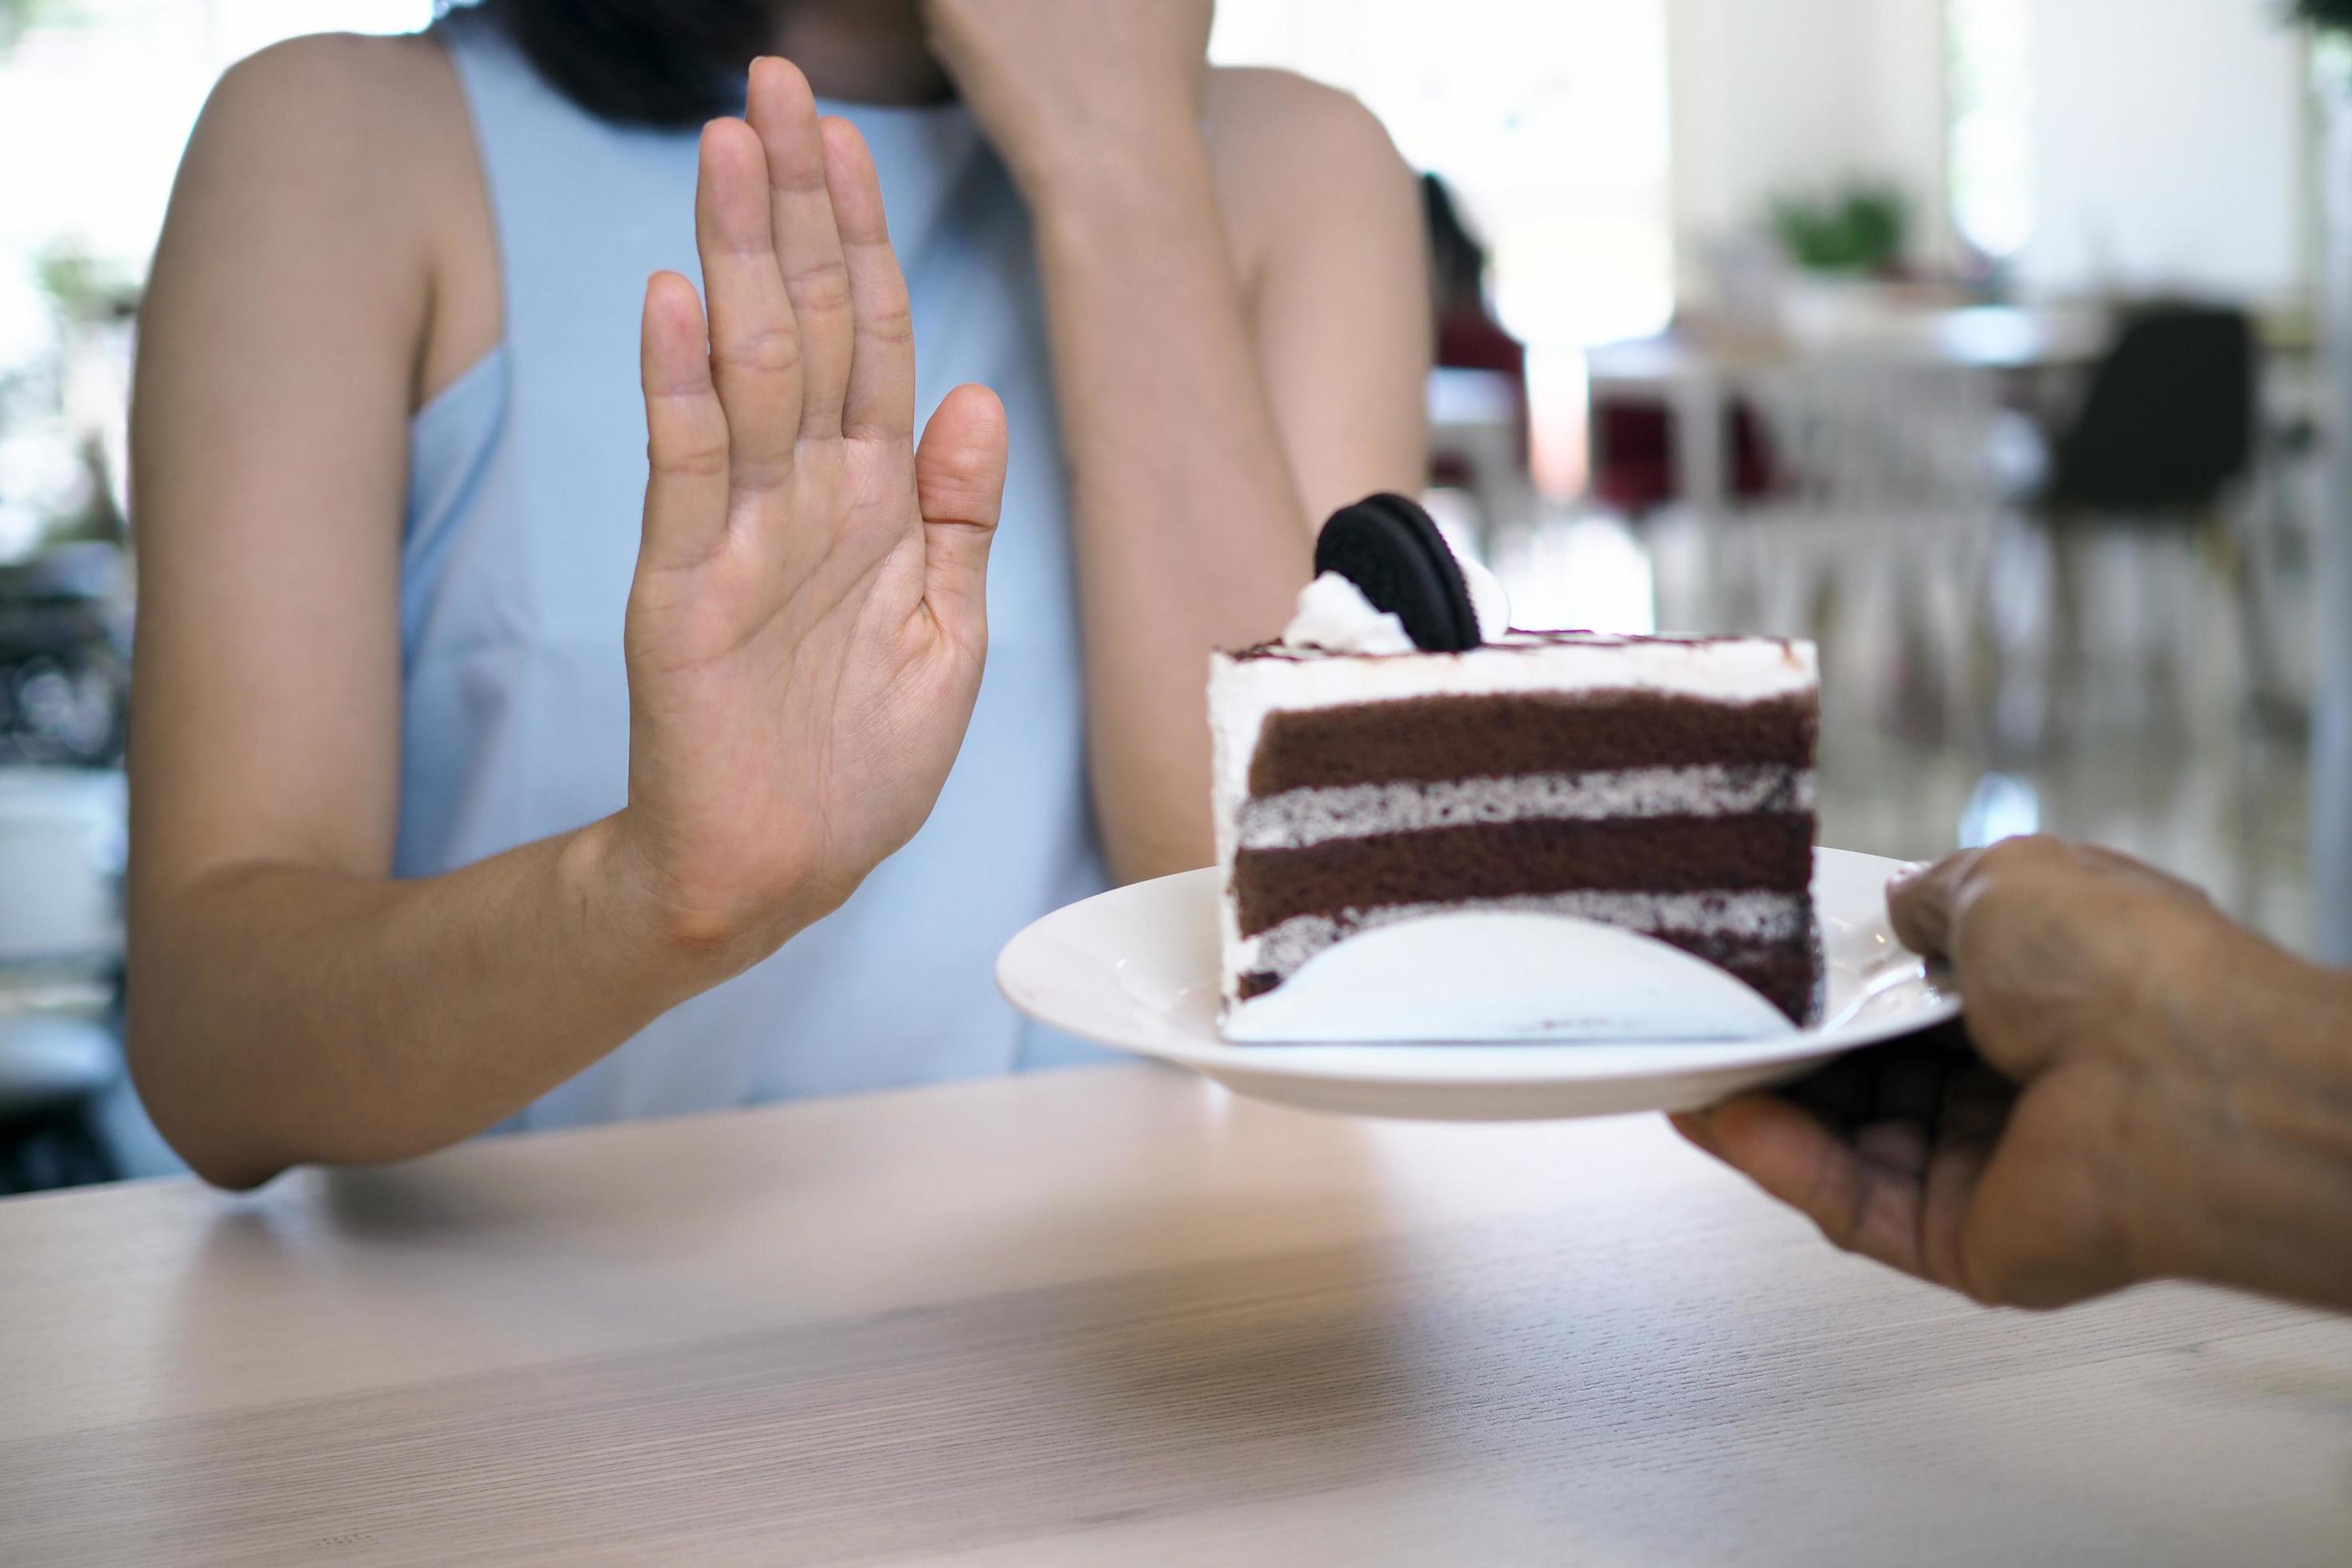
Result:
x=1920 y=903
x=755 y=349
x=959 y=484
x=2040 y=1233
x=808 y=247
x=1968 y=1124
x=686 y=430
x=1861 y=1206
x=880 y=402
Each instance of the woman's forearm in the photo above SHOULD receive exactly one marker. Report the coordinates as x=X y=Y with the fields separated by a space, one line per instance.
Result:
x=1191 y=533
x=287 y=1014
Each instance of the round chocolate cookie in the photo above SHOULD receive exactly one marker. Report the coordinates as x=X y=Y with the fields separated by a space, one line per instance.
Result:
x=1388 y=547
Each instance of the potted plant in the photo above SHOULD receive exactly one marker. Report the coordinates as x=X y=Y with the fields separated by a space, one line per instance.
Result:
x=1862 y=231
x=1842 y=250
x=17 y=16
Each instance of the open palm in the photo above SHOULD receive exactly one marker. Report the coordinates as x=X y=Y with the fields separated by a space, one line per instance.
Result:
x=807 y=625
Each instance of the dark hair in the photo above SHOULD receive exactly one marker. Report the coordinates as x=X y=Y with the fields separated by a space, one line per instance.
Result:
x=1457 y=261
x=640 y=62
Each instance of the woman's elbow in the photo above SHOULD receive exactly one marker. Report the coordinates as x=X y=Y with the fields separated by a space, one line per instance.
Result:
x=220 y=1155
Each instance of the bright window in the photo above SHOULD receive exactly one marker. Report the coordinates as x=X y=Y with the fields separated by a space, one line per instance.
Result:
x=1992 y=124
x=1548 y=118
x=96 y=104
x=96 y=98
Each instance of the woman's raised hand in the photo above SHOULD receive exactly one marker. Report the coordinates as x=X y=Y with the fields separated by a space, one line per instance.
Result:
x=806 y=627
x=1077 y=84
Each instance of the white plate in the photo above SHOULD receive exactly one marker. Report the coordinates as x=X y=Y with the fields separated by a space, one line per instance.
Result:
x=1136 y=969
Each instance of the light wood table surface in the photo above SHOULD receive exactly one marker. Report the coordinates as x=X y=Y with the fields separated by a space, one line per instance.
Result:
x=1100 y=1316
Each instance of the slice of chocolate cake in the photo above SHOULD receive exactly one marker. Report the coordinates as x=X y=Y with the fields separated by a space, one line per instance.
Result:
x=1363 y=778
x=1664 y=786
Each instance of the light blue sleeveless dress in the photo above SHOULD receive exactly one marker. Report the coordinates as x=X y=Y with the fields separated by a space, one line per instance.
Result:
x=526 y=479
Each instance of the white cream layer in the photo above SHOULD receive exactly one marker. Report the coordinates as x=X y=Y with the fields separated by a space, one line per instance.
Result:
x=1301 y=819
x=1750 y=917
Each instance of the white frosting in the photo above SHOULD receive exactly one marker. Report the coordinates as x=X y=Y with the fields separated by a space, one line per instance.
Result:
x=1334 y=616
x=1489 y=598
x=1301 y=819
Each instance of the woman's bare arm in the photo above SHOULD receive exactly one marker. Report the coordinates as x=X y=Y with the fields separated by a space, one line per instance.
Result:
x=1213 y=421
x=1241 y=336
x=809 y=588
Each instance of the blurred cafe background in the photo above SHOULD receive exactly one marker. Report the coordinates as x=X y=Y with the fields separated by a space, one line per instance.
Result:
x=1984 y=340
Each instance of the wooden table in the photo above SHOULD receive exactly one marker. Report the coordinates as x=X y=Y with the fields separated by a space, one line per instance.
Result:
x=1104 y=1315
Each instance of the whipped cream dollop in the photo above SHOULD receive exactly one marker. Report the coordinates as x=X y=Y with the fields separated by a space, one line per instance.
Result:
x=1334 y=615
x=1488 y=598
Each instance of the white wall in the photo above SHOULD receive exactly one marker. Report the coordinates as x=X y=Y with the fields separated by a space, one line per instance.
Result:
x=2169 y=137
x=2170 y=142
x=1548 y=118
x=1777 y=96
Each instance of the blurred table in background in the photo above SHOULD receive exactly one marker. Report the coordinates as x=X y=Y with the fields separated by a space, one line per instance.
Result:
x=1698 y=376
x=1106 y=1315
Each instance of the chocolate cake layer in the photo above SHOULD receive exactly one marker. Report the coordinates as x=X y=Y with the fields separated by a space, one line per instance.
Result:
x=1669 y=855
x=1438 y=738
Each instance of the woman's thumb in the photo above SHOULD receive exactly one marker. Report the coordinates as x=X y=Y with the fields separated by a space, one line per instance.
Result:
x=959 y=484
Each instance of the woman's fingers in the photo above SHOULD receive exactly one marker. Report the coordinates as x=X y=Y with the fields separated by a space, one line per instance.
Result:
x=808 y=248
x=880 y=400
x=755 y=348
x=960 y=481
x=686 y=430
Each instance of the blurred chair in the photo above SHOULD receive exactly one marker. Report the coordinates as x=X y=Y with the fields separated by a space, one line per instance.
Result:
x=53 y=1072
x=61 y=856
x=1876 y=530
x=64 y=656
x=2166 y=428
x=1634 y=469
x=2168 y=421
